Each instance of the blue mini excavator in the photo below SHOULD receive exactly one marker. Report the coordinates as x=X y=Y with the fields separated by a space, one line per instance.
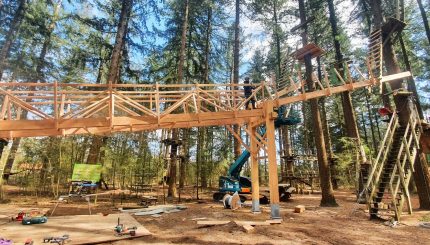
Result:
x=234 y=182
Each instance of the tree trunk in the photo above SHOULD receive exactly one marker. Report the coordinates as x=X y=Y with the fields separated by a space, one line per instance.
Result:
x=208 y=44
x=328 y=198
x=119 y=41
x=411 y=82
x=236 y=50
x=425 y=20
x=289 y=167
x=47 y=43
x=348 y=109
x=96 y=149
x=185 y=157
x=277 y=39
x=11 y=159
x=172 y=191
x=11 y=34
x=372 y=125
x=364 y=128
x=114 y=69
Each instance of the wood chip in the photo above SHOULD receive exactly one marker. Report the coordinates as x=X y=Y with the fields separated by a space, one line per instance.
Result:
x=248 y=228
x=299 y=209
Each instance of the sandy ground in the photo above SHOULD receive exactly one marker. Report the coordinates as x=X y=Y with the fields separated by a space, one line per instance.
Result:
x=346 y=224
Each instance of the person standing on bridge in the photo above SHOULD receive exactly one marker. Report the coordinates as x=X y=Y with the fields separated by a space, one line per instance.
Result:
x=248 y=89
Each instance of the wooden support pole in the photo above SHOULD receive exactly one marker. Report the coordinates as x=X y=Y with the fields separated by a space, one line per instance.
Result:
x=270 y=115
x=255 y=185
x=111 y=108
x=63 y=98
x=56 y=104
x=4 y=107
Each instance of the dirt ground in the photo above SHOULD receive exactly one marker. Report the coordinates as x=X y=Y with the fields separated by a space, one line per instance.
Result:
x=347 y=224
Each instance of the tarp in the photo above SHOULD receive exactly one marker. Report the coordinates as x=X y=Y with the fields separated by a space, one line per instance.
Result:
x=87 y=172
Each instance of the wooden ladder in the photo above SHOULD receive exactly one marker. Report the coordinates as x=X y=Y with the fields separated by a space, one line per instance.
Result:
x=287 y=69
x=375 y=54
x=387 y=184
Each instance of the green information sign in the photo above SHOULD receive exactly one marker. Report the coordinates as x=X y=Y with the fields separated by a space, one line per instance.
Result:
x=87 y=172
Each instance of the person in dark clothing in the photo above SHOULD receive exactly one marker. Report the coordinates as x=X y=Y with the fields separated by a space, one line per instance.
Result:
x=248 y=89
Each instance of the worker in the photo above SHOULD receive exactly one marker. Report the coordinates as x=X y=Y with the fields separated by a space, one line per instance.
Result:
x=248 y=89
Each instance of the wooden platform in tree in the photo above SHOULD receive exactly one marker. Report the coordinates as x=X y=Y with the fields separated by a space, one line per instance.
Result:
x=309 y=49
x=393 y=25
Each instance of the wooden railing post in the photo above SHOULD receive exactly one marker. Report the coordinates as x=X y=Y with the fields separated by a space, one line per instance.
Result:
x=56 y=104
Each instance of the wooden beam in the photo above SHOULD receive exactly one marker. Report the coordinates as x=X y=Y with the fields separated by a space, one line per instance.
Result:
x=238 y=138
x=255 y=185
x=321 y=93
x=176 y=105
x=273 y=166
x=397 y=76
x=4 y=107
x=24 y=105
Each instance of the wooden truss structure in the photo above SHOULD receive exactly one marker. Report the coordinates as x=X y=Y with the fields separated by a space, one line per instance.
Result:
x=67 y=109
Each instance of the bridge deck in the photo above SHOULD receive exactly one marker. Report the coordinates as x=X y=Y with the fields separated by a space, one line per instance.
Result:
x=48 y=109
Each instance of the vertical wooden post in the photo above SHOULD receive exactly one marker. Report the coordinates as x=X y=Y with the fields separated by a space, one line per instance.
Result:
x=56 y=104
x=157 y=102
x=63 y=99
x=111 y=108
x=273 y=166
x=4 y=107
x=255 y=185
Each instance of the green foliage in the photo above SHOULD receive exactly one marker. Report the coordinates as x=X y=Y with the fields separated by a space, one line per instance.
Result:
x=347 y=158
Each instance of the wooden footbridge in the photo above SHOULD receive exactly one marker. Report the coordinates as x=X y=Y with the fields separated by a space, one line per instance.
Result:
x=61 y=109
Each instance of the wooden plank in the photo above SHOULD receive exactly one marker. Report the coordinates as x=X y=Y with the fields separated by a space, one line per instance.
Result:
x=102 y=127
x=255 y=185
x=248 y=228
x=135 y=105
x=126 y=110
x=82 y=229
x=213 y=222
x=176 y=105
x=88 y=103
x=63 y=98
x=80 y=110
x=4 y=107
x=26 y=106
x=321 y=93
x=252 y=223
x=397 y=76
x=211 y=96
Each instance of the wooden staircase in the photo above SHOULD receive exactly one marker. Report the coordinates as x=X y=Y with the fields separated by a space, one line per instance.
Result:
x=388 y=180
